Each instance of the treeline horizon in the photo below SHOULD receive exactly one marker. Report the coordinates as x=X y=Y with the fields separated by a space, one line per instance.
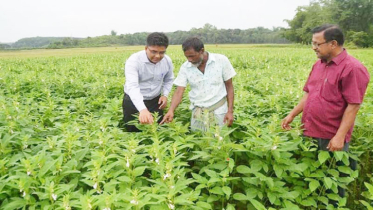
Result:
x=355 y=17
x=208 y=33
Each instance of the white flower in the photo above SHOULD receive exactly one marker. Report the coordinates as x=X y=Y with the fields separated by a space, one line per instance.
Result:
x=157 y=160
x=128 y=163
x=170 y=206
x=166 y=176
x=134 y=202
x=54 y=196
x=274 y=147
x=172 y=187
x=220 y=138
x=95 y=186
x=106 y=208
x=24 y=194
x=29 y=173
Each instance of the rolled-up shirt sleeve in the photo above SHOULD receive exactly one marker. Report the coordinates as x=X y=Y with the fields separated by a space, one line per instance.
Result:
x=131 y=72
x=168 y=79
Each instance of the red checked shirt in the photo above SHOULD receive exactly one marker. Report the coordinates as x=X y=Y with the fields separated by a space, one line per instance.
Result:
x=331 y=87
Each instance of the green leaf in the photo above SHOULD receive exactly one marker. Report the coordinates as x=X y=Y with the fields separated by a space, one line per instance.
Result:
x=278 y=170
x=256 y=165
x=309 y=202
x=230 y=207
x=369 y=186
x=366 y=204
x=272 y=197
x=345 y=169
x=204 y=205
x=338 y=155
x=242 y=169
x=334 y=196
x=314 y=184
x=328 y=182
x=139 y=171
x=80 y=154
x=217 y=190
x=46 y=167
x=240 y=197
x=257 y=204
x=323 y=156
x=211 y=173
x=124 y=179
x=227 y=191
x=15 y=203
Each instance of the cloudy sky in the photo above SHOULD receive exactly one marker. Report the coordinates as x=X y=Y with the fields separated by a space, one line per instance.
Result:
x=82 y=18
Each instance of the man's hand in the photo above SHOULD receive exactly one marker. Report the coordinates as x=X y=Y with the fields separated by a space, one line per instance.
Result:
x=285 y=124
x=228 y=119
x=168 y=117
x=145 y=117
x=336 y=144
x=162 y=102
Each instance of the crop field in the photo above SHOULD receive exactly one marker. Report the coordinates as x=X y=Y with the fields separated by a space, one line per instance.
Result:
x=62 y=147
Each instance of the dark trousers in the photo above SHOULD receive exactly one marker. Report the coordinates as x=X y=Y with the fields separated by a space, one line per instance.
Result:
x=322 y=144
x=130 y=111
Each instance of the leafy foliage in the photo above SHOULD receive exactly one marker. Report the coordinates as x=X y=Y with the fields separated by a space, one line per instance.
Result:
x=61 y=148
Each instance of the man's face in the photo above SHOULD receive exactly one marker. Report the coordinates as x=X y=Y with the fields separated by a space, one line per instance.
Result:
x=320 y=46
x=155 y=53
x=194 y=57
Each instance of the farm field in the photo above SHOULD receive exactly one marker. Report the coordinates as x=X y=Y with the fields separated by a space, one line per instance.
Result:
x=61 y=146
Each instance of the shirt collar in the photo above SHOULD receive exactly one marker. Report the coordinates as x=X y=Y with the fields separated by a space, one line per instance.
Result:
x=337 y=60
x=209 y=60
x=144 y=57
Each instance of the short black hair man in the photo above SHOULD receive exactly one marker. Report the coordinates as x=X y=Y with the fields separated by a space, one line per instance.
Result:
x=149 y=76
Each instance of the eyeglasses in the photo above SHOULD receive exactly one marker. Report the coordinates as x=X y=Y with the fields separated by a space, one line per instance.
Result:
x=317 y=45
x=154 y=52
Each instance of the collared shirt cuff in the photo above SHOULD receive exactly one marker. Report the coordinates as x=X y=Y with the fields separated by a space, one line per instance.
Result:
x=140 y=106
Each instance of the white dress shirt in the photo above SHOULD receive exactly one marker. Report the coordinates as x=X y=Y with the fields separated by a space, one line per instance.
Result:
x=145 y=80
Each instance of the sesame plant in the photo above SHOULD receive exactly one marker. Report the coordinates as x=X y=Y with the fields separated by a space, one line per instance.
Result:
x=62 y=145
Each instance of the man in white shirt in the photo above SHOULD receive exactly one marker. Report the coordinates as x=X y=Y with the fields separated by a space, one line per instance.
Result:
x=212 y=93
x=148 y=74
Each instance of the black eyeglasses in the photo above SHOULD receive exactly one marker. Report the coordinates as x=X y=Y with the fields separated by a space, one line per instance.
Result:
x=317 y=45
x=154 y=52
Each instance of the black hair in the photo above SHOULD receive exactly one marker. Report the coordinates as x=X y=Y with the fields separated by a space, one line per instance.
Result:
x=331 y=32
x=157 y=39
x=194 y=43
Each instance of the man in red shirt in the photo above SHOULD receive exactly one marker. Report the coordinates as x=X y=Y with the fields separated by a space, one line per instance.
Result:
x=333 y=92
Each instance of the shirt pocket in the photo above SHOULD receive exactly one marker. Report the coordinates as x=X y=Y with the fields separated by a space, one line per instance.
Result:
x=330 y=90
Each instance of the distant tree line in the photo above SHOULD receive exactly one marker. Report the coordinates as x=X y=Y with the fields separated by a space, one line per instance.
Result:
x=355 y=17
x=208 y=33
